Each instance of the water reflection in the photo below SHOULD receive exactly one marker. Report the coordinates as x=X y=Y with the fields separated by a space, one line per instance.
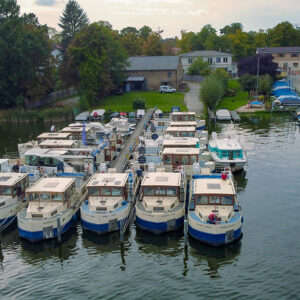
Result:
x=214 y=258
x=241 y=180
x=38 y=253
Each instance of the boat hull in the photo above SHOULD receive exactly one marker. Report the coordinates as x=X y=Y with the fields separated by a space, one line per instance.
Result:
x=39 y=230
x=9 y=212
x=216 y=235
x=103 y=222
x=159 y=223
x=235 y=165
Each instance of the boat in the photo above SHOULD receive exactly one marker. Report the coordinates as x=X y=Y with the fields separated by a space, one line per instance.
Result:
x=223 y=115
x=110 y=200
x=185 y=116
x=227 y=152
x=12 y=197
x=52 y=208
x=214 y=215
x=161 y=205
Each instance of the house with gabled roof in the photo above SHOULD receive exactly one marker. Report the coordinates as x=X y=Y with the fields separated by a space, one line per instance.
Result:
x=150 y=72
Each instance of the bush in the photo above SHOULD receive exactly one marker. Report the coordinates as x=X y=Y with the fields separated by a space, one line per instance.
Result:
x=138 y=103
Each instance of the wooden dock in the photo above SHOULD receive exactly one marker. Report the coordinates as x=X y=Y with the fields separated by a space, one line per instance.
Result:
x=235 y=116
x=122 y=158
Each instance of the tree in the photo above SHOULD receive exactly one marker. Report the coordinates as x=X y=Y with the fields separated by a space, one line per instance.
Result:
x=249 y=65
x=131 y=41
x=283 y=35
x=199 y=67
x=265 y=85
x=248 y=83
x=144 y=32
x=185 y=43
x=153 y=46
x=8 y=9
x=96 y=62
x=232 y=28
x=212 y=90
x=72 y=20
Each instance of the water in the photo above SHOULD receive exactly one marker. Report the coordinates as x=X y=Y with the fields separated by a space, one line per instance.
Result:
x=265 y=264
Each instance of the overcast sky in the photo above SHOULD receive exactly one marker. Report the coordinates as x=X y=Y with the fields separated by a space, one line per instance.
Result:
x=174 y=15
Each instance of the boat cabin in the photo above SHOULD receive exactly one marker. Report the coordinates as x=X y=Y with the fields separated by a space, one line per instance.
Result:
x=58 y=144
x=161 y=191
x=226 y=148
x=180 y=156
x=107 y=191
x=213 y=195
x=181 y=131
x=53 y=136
x=183 y=116
x=181 y=143
x=50 y=196
x=12 y=185
x=76 y=132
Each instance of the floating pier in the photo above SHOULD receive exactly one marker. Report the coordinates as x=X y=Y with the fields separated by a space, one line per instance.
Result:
x=235 y=116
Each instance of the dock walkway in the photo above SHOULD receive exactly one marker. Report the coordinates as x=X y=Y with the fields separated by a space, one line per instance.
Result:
x=235 y=116
x=120 y=161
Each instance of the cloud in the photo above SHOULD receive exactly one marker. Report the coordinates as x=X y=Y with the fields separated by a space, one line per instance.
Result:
x=45 y=2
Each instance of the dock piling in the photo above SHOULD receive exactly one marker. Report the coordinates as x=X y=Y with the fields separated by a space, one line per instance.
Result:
x=58 y=229
x=185 y=233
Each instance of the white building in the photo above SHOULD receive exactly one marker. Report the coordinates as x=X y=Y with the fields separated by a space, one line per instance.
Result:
x=215 y=58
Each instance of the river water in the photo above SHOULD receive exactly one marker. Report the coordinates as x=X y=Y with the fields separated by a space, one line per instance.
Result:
x=264 y=264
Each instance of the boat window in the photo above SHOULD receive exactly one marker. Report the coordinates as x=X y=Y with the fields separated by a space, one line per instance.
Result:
x=176 y=160
x=116 y=192
x=94 y=191
x=106 y=191
x=224 y=153
x=191 y=134
x=160 y=191
x=57 y=197
x=45 y=197
x=6 y=191
x=148 y=191
x=227 y=200
x=168 y=160
x=186 y=118
x=192 y=118
x=184 y=160
x=203 y=200
x=31 y=160
x=171 y=191
x=214 y=199
x=193 y=159
x=14 y=191
x=33 y=197
x=238 y=154
x=184 y=134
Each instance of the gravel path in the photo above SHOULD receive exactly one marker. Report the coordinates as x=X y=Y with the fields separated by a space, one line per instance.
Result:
x=191 y=98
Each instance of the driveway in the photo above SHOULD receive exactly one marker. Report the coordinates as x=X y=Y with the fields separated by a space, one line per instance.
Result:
x=191 y=98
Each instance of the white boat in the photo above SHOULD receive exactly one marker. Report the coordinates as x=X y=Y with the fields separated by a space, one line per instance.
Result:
x=227 y=152
x=161 y=206
x=12 y=196
x=52 y=208
x=110 y=200
x=214 y=216
x=223 y=115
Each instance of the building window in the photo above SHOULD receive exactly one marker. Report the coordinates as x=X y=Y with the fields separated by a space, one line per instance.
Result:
x=169 y=73
x=218 y=59
x=281 y=55
x=209 y=59
x=225 y=59
x=295 y=65
x=285 y=66
x=295 y=55
x=190 y=60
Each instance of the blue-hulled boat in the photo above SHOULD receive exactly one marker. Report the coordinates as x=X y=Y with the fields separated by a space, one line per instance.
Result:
x=214 y=216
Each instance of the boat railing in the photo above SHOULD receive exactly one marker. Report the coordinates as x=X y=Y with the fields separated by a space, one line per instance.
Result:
x=11 y=155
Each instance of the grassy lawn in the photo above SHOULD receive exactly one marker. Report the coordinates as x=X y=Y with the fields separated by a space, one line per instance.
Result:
x=121 y=103
x=232 y=103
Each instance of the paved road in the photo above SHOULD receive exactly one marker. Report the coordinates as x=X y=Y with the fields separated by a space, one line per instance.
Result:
x=191 y=98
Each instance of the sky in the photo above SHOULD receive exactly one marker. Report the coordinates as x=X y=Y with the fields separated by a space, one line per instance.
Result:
x=172 y=16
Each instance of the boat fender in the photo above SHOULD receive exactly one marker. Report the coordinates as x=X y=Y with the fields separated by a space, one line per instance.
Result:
x=86 y=202
x=124 y=203
x=74 y=217
x=242 y=220
x=212 y=219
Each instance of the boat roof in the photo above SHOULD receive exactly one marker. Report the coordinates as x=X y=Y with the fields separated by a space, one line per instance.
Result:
x=75 y=129
x=185 y=142
x=51 y=185
x=223 y=112
x=84 y=116
x=99 y=112
x=161 y=179
x=10 y=179
x=181 y=151
x=191 y=129
x=183 y=113
x=54 y=135
x=183 y=123
x=57 y=152
x=213 y=186
x=228 y=144
x=108 y=179
x=58 y=143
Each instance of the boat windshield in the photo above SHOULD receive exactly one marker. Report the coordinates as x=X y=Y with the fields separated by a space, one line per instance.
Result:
x=214 y=200
x=160 y=191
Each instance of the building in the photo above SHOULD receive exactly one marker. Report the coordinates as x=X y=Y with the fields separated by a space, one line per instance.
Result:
x=150 y=72
x=217 y=60
x=57 y=54
x=287 y=58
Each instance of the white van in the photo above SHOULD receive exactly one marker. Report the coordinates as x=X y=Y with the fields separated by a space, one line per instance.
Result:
x=166 y=89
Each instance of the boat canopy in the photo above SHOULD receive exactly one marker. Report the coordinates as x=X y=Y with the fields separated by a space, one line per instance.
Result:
x=83 y=117
x=213 y=186
x=161 y=179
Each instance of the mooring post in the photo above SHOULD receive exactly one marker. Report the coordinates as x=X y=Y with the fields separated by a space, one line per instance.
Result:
x=58 y=229
x=121 y=237
x=185 y=233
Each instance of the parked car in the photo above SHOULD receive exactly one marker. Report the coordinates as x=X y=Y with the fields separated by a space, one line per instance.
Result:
x=166 y=89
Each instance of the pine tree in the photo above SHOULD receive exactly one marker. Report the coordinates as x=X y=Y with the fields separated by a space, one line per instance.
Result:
x=72 y=20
